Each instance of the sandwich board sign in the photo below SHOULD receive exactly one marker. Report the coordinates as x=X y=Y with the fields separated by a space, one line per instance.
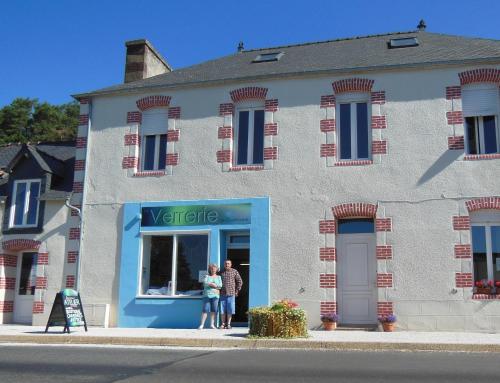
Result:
x=67 y=311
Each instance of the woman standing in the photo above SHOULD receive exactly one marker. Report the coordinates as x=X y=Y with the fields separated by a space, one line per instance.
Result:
x=211 y=286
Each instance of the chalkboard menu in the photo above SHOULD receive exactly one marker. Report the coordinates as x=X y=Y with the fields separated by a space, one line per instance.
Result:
x=67 y=311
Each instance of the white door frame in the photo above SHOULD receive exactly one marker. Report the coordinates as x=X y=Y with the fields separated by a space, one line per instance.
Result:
x=23 y=304
x=369 y=292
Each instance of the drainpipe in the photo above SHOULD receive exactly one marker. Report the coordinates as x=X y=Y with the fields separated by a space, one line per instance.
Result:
x=68 y=204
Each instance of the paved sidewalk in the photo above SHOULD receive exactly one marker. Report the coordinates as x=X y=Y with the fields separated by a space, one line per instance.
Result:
x=236 y=338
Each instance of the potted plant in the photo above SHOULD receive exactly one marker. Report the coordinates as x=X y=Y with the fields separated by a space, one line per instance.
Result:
x=484 y=286
x=388 y=322
x=329 y=321
x=497 y=287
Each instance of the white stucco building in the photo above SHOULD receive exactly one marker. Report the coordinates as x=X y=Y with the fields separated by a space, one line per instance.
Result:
x=360 y=176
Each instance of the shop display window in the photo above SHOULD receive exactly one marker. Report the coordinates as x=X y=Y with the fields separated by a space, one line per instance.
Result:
x=174 y=265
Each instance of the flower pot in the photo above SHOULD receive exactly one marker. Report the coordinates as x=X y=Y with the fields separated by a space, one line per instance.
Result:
x=388 y=327
x=329 y=326
x=483 y=290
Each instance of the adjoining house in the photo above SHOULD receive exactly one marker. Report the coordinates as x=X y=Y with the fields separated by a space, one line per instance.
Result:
x=36 y=180
x=357 y=175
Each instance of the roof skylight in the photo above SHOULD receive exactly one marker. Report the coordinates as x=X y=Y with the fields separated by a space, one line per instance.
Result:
x=266 y=57
x=403 y=43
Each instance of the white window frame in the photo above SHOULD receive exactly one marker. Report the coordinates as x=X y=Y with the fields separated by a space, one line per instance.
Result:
x=478 y=101
x=152 y=130
x=249 y=107
x=487 y=220
x=156 y=152
x=26 y=205
x=479 y=130
x=353 y=99
x=173 y=234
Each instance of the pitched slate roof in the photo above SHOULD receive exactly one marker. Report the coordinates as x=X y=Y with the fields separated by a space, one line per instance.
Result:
x=342 y=55
x=52 y=157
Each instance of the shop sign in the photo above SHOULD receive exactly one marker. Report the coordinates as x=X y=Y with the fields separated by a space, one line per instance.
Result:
x=195 y=215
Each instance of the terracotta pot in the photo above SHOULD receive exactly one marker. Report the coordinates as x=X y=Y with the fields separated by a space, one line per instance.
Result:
x=329 y=326
x=388 y=327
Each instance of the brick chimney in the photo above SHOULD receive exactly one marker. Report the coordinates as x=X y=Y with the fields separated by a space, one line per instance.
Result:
x=143 y=61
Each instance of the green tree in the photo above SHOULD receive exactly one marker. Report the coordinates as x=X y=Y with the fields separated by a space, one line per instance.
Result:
x=29 y=120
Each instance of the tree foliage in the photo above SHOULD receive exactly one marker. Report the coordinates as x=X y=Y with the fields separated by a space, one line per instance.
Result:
x=28 y=120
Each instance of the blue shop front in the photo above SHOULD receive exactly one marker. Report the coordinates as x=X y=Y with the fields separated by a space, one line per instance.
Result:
x=167 y=246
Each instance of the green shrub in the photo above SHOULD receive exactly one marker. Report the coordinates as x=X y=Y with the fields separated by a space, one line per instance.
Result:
x=282 y=320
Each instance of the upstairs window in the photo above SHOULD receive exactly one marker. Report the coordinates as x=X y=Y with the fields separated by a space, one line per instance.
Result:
x=480 y=103
x=353 y=140
x=154 y=139
x=24 y=206
x=249 y=135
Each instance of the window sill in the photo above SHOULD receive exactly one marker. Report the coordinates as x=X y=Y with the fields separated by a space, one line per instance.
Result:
x=354 y=163
x=239 y=168
x=150 y=173
x=475 y=157
x=486 y=296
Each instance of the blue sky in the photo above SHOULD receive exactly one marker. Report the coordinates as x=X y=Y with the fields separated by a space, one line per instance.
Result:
x=54 y=48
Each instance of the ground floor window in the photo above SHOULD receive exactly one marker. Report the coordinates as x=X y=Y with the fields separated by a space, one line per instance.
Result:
x=486 y=252
x=174 y=265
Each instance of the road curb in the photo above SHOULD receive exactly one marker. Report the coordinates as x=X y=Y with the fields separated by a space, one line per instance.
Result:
x=248 y=343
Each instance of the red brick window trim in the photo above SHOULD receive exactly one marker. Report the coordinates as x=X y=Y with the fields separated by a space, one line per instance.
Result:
x=149 y=173
x=482 y=75
x=7 y=260
x=327 y=101
x=354 y=163
x=486 y=296
x=384 y=252
x=455 y=117
x=6 y=306
x=463 y=251
x=483 y=203
x=38 y=307
x=327 y=254
x=153 y=102
x=7 y=283
x=354 y=210
x=248 y=93
x=327 y=307
x=461 y=223
x=327 y=226
x=42 y=259
x=327 y=125
x=384 y=280
x=227 y=156
x=385 y=308
x=328 y=281
x=352 y=85
x=456 y=143
x=453 y=92
x=475 y=157
x=463 y=279
x=239 y=168
x=383 y=224
x=21 y=244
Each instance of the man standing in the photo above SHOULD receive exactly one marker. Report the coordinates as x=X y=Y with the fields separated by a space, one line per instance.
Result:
x=231 y=286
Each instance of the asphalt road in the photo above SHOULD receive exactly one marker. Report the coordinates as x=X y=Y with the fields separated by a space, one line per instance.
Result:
x=42 y=364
